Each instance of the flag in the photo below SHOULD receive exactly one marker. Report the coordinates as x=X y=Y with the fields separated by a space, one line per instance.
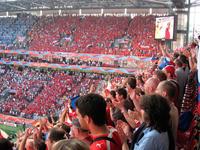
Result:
x=73 y=101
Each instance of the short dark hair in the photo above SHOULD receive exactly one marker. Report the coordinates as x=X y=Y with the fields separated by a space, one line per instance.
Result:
x=175 y=56
x=132 y=82
x=123 y=92
x=66 y=128
x=113 y=93
x=158 y=110
x=40 y=144
x=5 y=144
x=170 y=88
x=140 y=79
x=178 y=62
x=56 y=134
x=160 y=75
x=175 y=99
x=94 y=106
x=183 y=58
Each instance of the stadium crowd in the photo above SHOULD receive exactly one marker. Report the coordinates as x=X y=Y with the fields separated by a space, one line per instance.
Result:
x=13 y=31
x=101 y=35
x=133 y=112
x=155 y=109
x=31 y=88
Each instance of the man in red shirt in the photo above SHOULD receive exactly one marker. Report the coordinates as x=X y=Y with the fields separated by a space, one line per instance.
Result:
x=91 y=113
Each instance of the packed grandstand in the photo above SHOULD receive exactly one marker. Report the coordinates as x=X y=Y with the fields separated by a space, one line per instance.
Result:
x=93 y=82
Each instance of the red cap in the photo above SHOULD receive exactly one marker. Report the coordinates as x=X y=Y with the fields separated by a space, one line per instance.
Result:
x=171 y=63
x=170 y=69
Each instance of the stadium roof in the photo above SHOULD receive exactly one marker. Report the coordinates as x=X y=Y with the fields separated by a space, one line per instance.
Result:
x=20 y=5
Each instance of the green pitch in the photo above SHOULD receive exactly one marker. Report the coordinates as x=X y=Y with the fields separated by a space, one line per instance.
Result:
x=10 y=130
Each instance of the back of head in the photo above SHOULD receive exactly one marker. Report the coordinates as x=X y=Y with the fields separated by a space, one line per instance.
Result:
x=132 y=82
x=169 y=88
x=72 y=144
x=157 y=110
x=178 y=63
x=39 y=144
x=122 y=91
x=176 y=97
x=151 y=85
x=175 y=56
x=183 y=58
x=5 y=144
x=56 y=134
x=113 y=93
x=66 y=128
x=160 y=75
x=94 y=106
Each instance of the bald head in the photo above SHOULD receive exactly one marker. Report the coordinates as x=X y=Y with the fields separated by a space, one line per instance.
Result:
x=151 y=85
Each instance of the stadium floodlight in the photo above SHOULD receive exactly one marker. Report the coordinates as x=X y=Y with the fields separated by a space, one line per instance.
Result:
x=160 y=2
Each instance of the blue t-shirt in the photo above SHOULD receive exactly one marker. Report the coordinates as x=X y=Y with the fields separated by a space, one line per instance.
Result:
x=153 y=140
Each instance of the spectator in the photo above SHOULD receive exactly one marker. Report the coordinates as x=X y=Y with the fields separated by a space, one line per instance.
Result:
x=140 y=81
x=79 y=133
x=121 y=96
x=91 y=112
x=160 y=75
x=169 y=70
x=181 y=77
x=155 y=114
x=151 y=85
x=54 y=135
x=168 y=90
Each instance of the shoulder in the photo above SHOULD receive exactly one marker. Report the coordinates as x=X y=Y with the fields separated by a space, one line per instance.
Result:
x=155 y=135
x=104 y=144
x=148 y=133
x=150 y=140
x=98 y=145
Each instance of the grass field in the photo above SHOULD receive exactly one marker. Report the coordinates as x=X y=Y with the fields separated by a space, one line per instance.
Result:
x=10 y=130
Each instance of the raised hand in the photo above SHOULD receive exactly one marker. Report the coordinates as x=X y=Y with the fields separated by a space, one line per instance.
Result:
x=28 y=132
x=118 y=104
x=134 y=114
x=119 y=126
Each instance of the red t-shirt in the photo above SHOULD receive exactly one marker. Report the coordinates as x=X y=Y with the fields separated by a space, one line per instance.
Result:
x=106 y=144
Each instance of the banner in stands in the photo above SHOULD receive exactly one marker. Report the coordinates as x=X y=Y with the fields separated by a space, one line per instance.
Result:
x=41 y=54
x=73 y=101
x=14 y=120
x=70 y=67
